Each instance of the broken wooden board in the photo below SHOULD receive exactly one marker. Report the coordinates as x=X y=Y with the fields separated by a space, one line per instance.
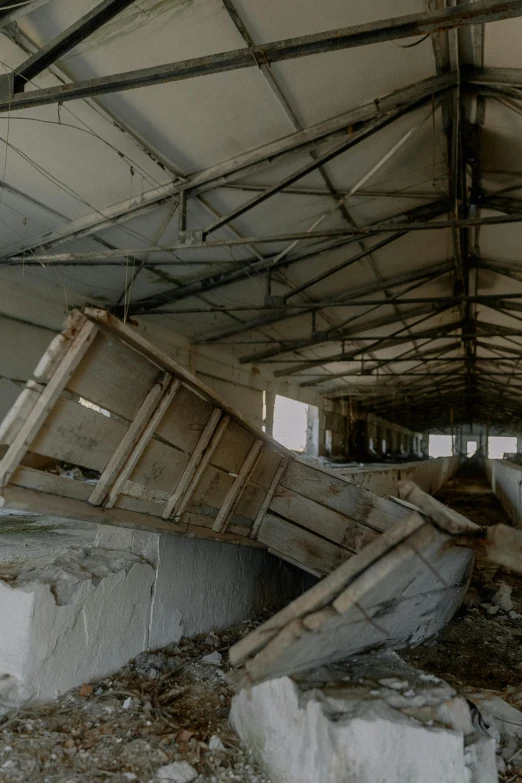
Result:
x=501 y=544
x=399 y=590
x=156 y=447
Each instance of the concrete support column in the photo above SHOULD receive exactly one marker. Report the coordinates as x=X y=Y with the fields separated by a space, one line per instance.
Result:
x=269 y=412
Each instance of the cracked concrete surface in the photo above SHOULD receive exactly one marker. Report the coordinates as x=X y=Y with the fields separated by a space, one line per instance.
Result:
x=81 y=613
x=372 y=718
x=72 y=618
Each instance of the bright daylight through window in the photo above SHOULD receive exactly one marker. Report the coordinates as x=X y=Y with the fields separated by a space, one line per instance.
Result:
x=500 y=445
x=440 y=446
x=290 y=423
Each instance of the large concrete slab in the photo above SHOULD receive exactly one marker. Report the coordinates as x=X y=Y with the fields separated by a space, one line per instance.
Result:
x=25 y=535
x=76 y=614
x=372 y=719
x=70 y=618
x=205 y=585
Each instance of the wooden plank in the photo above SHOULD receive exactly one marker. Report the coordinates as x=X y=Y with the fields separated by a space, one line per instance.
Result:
x=233 y=448
x=147 y=433
x=241 y=479
x=301 y=545
x=157 y=470
x=211 y=491
x=55 y=351
x=445 y=517
x=23 y=404
x=266 y=468
x=341 y=495
x=235 y=524
x=127 y=443
x=39 y=502
x=79 y=435
x=250 y=501
x=321 y=520
x=192 y=464
x=203 y=464
x=114 y=377
x=269 y=495
x=214 y=486
x=145 y=506
x=45 y=402
x=133 y=339
x=402 y=597
x=185 y=420
x=51 y=483
x=326 y=590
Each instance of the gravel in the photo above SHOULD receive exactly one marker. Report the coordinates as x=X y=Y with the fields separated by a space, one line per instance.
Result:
x=134 y=725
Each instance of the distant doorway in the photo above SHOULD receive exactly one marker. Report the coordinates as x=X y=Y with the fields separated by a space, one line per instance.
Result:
x=471 y=448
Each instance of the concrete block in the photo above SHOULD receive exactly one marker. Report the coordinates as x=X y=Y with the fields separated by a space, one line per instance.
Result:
x=82 y=613
x=211 y=585
x=480 y=760
x=506 y=483
x=202 y=586
x=60 y=617
x=340 y=724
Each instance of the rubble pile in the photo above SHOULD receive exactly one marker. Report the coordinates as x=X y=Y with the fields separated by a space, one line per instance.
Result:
x=164 y=716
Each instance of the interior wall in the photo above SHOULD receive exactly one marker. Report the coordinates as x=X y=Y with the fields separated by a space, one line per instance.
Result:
x=506 y=482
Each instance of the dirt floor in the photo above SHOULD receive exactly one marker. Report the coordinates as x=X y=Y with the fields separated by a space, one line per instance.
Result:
x=172 y=706
x=481 y=647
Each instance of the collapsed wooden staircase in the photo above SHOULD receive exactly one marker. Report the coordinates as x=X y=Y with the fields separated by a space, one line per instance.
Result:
x=157 y=449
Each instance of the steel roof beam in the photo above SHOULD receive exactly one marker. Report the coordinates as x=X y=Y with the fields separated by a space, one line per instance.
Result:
x=423 y=23
x=509 y=206
x=503 y=300
x=348 y=234
x=243 y=164
x=416 y=355
x=309 y=191
x=317 y=162
x=210 y=283
x=386 y=341
x=359 y=338
x=509 y=77
x=346 y=296
x=67 y=40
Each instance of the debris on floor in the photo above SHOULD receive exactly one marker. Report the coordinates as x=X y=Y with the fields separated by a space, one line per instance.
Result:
x=164 y=717
x=478 y=652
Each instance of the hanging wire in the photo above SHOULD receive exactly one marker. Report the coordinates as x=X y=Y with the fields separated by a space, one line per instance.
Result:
x=410 y=45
